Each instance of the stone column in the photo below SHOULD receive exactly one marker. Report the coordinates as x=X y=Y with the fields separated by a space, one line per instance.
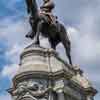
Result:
x=60 y=94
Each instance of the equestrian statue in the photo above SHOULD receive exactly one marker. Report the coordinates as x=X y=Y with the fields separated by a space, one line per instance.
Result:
x=43 y=22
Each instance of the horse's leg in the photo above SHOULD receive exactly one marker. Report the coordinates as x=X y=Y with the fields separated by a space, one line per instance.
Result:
x=67 y=47
x=39 y=28
x=52 y=43
x=68 y=50
x=66 y=42
x=53 y=46
x=30 y=34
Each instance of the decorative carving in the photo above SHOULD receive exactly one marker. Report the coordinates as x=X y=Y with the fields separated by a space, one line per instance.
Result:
x=36 y=89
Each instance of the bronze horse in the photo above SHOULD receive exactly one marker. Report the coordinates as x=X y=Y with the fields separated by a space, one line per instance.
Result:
x=55 y=33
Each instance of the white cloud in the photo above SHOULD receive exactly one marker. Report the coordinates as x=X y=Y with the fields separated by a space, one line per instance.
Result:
x=13 y=31
x=85 y=49
x=44 y=42
x=9 y=70
x=88 y=48
x=5 y=97
x=93 y=77
x=74 y=34
x=11 y=5
x=14 y=53
x=84 y=45
x=14 y=50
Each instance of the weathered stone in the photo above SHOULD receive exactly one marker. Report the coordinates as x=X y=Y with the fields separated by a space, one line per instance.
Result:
x=43 y=75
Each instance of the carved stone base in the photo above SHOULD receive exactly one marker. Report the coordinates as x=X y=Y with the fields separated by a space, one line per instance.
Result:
x=44 y=76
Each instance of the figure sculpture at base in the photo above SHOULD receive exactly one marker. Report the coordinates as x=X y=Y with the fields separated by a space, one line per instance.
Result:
x=32 y=89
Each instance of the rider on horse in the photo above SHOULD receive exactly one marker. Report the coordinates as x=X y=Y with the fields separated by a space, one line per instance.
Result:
x=46 y=9
x=45 y=13
x=43 y=21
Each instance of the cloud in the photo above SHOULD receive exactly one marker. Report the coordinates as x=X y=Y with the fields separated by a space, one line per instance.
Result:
x=13 y=31
x=14 y=50
x=9 y=70
x=86 y=52
x=84 y=46
x=88 y=48
x=12 y=5
x=14 y=53
x=5 y=97
x=44 y=42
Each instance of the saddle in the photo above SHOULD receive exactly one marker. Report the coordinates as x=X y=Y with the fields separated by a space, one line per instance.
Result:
x=46 y=9
x=51 y=18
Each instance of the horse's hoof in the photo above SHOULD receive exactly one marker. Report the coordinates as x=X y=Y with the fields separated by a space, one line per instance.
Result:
x=26 y=36
x=29 y=36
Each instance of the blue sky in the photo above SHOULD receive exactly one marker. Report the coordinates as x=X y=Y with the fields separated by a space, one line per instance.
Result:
x=82 y=21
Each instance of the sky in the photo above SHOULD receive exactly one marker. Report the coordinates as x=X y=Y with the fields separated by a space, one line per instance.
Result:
x=82 y=21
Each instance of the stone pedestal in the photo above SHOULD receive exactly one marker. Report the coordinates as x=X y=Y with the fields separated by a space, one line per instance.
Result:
x=43 y=75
